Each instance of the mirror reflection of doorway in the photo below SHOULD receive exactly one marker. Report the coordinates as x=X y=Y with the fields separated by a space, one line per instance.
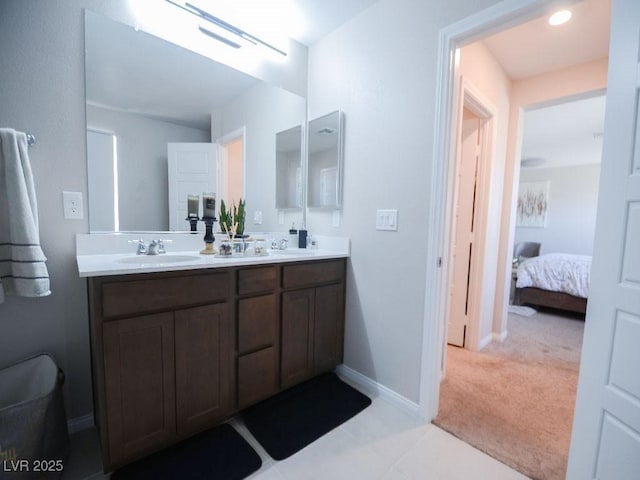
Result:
x=231 y=167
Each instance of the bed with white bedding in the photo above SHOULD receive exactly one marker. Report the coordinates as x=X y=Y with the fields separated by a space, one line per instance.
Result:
x=556 y=280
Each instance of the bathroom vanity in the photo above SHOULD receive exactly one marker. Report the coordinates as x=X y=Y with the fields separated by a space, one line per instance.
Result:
x=177 y=351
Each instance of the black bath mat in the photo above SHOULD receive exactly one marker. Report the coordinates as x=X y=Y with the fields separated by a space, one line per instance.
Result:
x=291 y=420
x=217 y=454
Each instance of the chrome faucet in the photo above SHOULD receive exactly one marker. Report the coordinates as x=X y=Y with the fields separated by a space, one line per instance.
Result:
x=279 y=244
x=156 y=247
x=141 y=248
x=153 y=248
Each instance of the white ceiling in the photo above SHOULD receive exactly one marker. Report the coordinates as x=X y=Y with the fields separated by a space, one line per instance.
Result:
x=318 y=18
x=560 y=135
x=565 y=135
x=536 y=47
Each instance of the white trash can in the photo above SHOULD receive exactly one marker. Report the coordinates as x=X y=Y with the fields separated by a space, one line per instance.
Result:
x=34 y=440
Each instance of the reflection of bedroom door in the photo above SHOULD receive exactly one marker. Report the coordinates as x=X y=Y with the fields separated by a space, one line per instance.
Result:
x=470 y=149
x=606 y=430
x=192 y=171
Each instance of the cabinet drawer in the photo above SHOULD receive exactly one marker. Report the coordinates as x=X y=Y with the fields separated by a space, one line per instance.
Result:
x=255 y=280
x=257 y=377
x=309 y=274
x=257 y=323
x=157 y=294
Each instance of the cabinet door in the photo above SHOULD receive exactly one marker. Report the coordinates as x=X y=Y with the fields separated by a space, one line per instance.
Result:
x=328 y=335
x=204 y=367
x=297 y=340
x=140 y=389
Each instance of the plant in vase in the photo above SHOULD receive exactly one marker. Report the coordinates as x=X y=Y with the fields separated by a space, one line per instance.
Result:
x=232 y=223
x=233 y=218
x=239 y=215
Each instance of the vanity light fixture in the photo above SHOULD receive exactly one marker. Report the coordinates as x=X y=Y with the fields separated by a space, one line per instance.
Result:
x=242 y=35
x=560 y=17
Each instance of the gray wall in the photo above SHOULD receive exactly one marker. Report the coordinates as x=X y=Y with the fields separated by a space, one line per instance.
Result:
x=42 y=65
x=571 y=214
x=380 y=69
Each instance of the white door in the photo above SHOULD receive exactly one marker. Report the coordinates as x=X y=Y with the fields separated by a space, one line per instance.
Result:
x=192 y=171
x=463 y=236
x=606 y=429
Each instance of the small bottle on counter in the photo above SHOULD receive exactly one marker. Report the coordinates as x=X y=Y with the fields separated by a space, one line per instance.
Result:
x=302 y=238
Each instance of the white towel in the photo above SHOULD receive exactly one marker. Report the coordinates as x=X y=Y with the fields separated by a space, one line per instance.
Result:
x=22 y=264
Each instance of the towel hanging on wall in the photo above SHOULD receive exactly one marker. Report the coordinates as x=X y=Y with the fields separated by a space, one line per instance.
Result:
x=22 y=263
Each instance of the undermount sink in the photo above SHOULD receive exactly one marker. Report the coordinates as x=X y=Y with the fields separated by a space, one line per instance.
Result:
x=158 y=259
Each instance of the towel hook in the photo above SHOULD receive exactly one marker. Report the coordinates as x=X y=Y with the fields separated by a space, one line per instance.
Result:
x=31 y=140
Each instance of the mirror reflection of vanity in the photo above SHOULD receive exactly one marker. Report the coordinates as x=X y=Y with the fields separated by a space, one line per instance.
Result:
x=143 y=93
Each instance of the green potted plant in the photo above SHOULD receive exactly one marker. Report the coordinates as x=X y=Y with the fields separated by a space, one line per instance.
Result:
x=239 y=215
x=232 y=219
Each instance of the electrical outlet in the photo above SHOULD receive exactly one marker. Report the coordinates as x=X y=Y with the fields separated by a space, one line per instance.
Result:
x=257 y=217
x=72 y=205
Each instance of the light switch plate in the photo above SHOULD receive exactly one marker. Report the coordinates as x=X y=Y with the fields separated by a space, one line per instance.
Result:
x=387 y=219
x=72 y=205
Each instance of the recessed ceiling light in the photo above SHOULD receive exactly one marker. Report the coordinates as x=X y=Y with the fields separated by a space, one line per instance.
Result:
x=558 y=18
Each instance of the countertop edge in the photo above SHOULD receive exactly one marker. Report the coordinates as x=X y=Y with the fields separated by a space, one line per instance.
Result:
x=107 y=265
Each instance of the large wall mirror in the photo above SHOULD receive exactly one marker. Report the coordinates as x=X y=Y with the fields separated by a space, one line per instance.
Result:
x=324 y=187
x=143 y=93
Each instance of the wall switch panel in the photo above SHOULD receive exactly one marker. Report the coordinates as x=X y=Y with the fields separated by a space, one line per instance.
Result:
x=72 y=205
x=257 y=217
x=280 y=217
x=387 y=220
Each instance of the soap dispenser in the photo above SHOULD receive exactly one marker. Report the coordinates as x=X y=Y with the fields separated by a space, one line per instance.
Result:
x=302 y=238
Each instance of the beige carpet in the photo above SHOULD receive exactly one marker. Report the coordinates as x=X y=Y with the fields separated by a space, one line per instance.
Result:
x=514 y=400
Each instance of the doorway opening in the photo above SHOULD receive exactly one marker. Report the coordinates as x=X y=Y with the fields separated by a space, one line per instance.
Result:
x=437 y=299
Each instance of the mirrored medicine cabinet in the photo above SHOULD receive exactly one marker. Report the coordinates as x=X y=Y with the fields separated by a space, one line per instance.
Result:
x=323 y=166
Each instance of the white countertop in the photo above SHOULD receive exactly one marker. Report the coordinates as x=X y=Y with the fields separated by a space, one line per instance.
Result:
x=112 y=261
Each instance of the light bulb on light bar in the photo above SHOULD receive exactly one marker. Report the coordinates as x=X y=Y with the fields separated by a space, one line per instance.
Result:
x=558 y=18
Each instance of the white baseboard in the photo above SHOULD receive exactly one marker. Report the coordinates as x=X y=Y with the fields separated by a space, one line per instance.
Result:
x=80 y=423
x=485 y=341
x=500 y=337
x=371 y=387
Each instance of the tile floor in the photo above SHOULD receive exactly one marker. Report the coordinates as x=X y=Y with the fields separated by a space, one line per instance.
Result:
x=382 y=442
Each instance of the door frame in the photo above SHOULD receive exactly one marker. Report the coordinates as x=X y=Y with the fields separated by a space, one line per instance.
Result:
x=505 y=14
x=471 y=97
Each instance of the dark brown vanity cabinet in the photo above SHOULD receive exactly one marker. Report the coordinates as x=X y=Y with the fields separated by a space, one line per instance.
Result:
x=258 y=334
x=175 y=353
x=312 y=320
x=163 y=359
